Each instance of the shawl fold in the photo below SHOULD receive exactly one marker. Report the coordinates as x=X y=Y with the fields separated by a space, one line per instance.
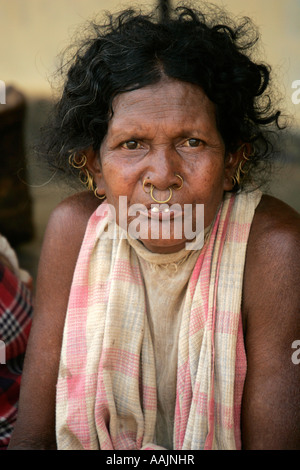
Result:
x=106 y=388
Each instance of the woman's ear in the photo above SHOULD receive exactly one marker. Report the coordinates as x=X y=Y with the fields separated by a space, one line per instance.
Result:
x=232 y=162
x=93 y=165
x=93 y=161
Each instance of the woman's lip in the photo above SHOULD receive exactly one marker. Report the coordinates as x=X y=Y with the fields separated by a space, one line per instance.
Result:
x=161 y=212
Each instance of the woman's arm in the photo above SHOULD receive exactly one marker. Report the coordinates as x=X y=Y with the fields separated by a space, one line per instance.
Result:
x=35 y=426
x=271 y=406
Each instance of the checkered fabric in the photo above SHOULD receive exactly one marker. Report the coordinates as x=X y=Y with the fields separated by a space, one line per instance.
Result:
x=15 y=322
x=106 y=390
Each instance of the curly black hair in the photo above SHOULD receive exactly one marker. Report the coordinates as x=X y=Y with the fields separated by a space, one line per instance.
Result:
x=131 y=50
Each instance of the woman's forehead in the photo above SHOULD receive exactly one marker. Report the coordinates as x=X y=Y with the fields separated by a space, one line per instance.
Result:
x=167 y=90
x=168 y=100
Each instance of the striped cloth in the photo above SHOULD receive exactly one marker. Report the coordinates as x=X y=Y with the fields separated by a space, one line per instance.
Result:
x=106 y=389
x=15 y=322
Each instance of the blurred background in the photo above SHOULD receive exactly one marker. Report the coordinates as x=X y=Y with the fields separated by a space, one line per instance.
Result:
x=34 y=32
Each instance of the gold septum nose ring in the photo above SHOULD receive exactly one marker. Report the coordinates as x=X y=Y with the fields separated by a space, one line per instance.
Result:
x=152 y=187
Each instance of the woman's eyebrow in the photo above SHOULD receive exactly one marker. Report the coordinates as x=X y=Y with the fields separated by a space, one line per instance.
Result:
x=118 y=131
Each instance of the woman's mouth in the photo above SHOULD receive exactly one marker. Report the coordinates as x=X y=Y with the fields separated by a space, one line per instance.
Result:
x=162 y=212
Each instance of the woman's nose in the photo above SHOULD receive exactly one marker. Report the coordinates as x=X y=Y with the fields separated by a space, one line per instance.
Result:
x=163 y=170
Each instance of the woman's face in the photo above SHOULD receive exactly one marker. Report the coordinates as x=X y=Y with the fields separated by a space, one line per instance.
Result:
x=156 y=133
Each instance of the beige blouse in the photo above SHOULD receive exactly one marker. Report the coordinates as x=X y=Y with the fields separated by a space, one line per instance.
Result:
x=166 y=278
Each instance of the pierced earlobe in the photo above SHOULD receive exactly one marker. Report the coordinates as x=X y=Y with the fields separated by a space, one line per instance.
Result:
x=97 y=195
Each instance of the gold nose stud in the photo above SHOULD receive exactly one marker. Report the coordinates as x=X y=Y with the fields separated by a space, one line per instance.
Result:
x=181 y=179
x=144 y=182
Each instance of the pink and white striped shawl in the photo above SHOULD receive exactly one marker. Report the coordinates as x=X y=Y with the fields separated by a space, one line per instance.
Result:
x=106 y=390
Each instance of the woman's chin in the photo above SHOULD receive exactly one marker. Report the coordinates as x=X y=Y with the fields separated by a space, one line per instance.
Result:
x=164 y=246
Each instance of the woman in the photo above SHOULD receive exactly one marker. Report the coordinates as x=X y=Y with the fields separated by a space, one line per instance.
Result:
x=165 y=345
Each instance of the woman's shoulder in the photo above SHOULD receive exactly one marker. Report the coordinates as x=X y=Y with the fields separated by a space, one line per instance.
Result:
x=77 y=207
x=275 y=226
x=272 y=267
x=63 y=238
x=69 y=219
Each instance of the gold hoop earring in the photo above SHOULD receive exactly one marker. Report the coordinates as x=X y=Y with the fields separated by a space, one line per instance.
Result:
x=156 y=200
x=241 y=172
x=233 y=180
x=240 y=168
x=181 y=179
x=75 y=163
x=237 y=178
x=245 y=157
x=86 y=179
x=97 y=195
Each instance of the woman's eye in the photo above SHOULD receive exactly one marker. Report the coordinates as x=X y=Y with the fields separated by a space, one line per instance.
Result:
x=131 y=145
x=192 y=143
